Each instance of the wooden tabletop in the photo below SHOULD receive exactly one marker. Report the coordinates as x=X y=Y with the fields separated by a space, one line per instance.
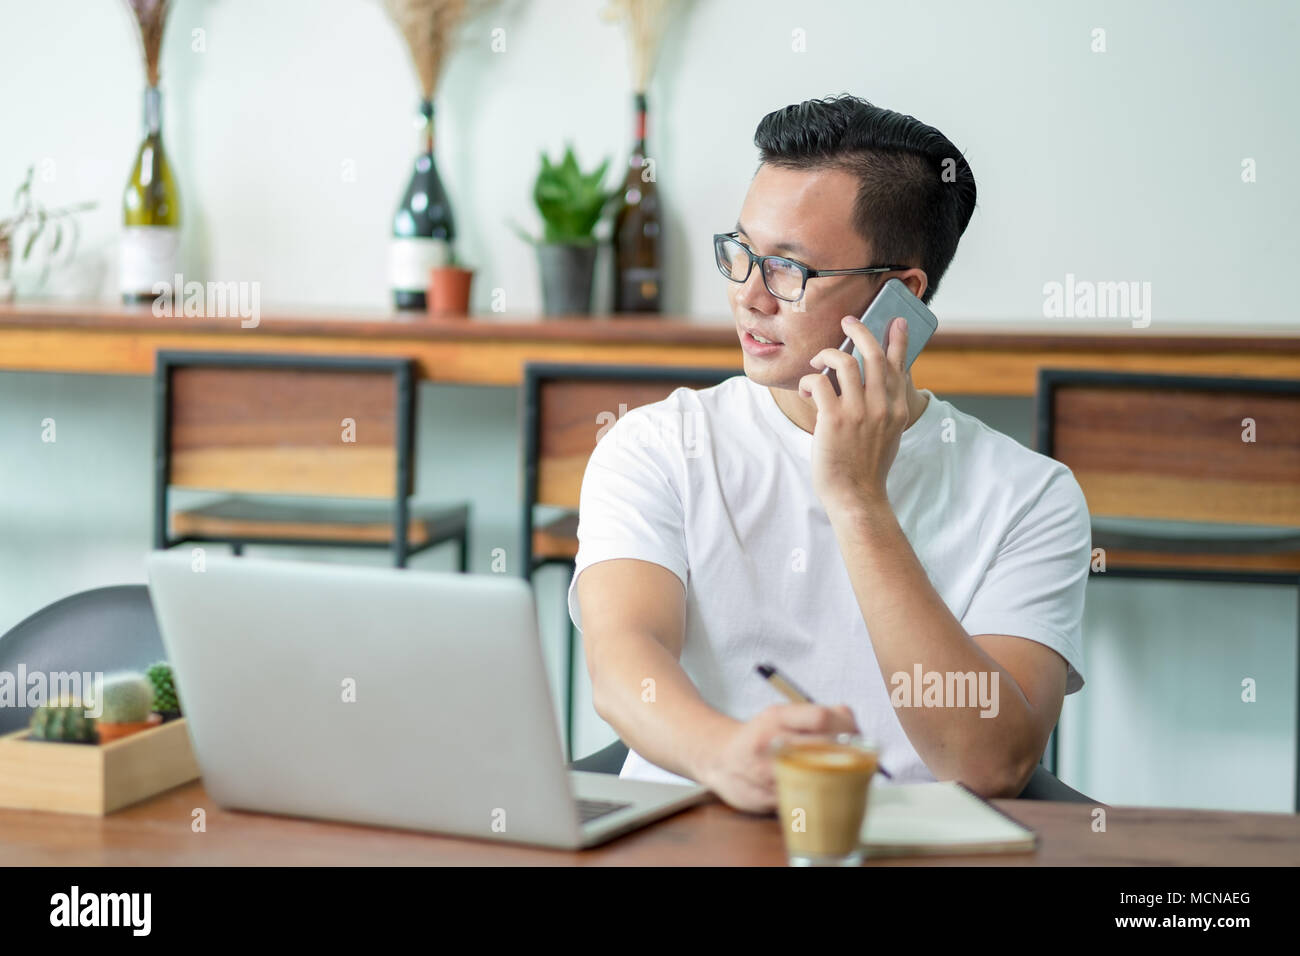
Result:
x=987 y=357
x=158 y=832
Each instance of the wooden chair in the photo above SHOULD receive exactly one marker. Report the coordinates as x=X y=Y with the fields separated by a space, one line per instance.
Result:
x=315 y=450
x=565 y=406
x=1174 y=488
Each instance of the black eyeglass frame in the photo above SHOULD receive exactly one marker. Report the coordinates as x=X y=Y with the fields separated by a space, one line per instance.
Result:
x=807 y=271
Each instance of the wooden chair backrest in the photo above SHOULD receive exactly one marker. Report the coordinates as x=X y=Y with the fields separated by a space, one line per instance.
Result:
x=568 y=407
x=1176 y=447
x=275 y=424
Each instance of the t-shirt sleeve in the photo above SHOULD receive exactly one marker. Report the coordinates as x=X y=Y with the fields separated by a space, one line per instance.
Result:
x=630 y=504
x=1034 y=587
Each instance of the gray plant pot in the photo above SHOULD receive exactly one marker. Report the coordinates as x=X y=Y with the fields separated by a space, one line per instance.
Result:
x=567 y=274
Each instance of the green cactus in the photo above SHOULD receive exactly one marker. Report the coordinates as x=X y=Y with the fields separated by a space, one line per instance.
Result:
x=65 y=722
x=127 y=699
x=165 y=700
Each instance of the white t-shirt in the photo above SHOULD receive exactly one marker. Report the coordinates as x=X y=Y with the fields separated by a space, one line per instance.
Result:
x=716 y=486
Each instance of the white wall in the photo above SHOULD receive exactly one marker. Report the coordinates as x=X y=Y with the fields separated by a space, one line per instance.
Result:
x=1122 y=165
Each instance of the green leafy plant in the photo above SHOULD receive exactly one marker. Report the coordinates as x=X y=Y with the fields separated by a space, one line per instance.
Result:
x=64 y=722
x=127 y=699
x=165 y=700
x=570 y=201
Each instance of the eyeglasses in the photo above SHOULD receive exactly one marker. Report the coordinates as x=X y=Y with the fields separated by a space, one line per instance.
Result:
x=785 y=278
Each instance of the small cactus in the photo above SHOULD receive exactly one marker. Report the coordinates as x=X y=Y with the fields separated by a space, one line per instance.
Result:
x=65 y=721
x=165 y=700
x=127 y=699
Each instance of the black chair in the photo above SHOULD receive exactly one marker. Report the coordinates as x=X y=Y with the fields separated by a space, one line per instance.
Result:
x=101 y=630
x=1043 y=785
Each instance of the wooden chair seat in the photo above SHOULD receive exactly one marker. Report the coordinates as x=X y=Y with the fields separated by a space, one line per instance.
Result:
x=253 y=518
x=1135 y=542
x=556 y=540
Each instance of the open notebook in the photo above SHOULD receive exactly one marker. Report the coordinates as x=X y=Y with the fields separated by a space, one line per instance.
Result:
x=938 y=818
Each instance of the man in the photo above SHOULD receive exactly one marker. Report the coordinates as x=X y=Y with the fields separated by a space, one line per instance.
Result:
x=857 y=541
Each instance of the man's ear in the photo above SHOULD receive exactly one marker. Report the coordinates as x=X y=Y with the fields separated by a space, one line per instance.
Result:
x=916 y=281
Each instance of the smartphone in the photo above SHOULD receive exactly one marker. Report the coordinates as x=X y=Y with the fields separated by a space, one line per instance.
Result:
x=893 y=300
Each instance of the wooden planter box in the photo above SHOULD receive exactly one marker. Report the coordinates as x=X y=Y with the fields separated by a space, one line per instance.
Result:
x=94 y=778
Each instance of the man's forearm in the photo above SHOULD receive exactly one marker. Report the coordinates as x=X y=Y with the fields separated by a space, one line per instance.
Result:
x=641 y=691
x=910 y=625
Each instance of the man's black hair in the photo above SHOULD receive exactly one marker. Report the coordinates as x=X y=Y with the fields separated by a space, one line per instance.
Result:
x=917 y=192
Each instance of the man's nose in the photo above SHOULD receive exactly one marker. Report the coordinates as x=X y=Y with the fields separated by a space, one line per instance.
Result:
x=753 y=295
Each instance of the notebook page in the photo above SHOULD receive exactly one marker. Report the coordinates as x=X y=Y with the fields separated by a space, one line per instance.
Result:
x=935 y=815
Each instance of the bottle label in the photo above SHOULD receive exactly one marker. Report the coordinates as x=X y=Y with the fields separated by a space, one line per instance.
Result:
x=410 y=259
x=149 y=256
x=640 y=289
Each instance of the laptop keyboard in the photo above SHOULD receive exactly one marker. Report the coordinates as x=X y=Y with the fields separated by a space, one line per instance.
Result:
x=589 y=810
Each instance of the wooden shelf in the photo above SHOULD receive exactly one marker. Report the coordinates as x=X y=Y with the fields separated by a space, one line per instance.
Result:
x=985 y=358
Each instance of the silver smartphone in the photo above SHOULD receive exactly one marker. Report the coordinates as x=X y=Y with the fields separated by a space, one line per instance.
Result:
x=893 y=300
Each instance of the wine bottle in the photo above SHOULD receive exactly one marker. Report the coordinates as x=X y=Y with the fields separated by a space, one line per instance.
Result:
x=423 y=229
x=636 y=231
x=151 y=212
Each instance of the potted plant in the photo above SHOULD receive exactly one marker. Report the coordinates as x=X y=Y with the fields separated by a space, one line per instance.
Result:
x=117 y=759
x=571 y=203
x=165 y=701
x=63 y=721
x=127 y=707
x=37 y=221
x=449 y=289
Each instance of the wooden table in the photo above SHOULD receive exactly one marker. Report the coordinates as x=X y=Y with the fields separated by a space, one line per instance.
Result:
x=984 y=359
x=157 y=833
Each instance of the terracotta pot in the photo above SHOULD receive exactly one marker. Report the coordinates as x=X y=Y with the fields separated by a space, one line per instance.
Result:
x=111 y=732
x=449 y=291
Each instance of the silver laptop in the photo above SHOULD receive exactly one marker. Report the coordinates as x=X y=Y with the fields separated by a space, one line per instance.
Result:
x=408 y=699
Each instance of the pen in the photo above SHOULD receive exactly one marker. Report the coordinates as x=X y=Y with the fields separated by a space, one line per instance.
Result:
x=793 y=694
x=769 y=673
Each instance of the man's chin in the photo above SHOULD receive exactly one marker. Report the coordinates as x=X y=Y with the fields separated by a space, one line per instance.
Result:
x=769 y=376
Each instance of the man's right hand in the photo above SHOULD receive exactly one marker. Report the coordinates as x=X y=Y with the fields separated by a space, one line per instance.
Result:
x=740 y=771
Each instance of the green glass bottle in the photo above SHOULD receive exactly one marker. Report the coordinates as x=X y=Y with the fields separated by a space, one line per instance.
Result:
x=423 y=228
x=151 y=213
